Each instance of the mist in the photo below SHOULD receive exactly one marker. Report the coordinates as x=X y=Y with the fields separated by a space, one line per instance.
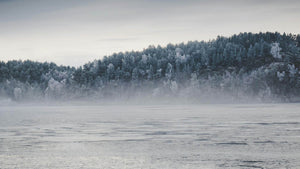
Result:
x=149 y=84
x=242 y=68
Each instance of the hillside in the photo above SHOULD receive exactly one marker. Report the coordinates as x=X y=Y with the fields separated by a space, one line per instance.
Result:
x=247 y=66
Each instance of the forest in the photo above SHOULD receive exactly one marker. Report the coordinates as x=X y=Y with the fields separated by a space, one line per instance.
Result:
x=261 y=67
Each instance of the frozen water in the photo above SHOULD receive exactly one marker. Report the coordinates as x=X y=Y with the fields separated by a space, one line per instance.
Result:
x=168 y=136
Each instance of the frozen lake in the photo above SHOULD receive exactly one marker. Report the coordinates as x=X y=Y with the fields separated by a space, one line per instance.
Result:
x=158 y=136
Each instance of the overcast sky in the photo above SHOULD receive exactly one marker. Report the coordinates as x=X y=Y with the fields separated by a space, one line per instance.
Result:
x=73 y=32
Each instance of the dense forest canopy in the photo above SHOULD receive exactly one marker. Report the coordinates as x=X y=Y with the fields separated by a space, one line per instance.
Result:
x=262 y=66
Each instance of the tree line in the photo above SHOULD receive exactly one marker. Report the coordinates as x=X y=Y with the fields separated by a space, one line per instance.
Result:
x=260 y=65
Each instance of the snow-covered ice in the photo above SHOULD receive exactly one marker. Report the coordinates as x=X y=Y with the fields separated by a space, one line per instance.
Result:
x=151 y=136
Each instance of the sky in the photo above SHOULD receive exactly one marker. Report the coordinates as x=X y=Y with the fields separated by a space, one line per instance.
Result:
x=74 y=32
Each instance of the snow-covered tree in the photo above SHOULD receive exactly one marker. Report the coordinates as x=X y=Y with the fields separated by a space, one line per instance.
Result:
x=275 y=50
x=281 y=75
x=245 y=63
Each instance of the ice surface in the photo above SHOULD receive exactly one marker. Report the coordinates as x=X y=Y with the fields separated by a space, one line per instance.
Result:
x=158 y=136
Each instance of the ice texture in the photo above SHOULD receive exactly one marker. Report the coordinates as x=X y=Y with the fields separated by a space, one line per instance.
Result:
x=151 y=136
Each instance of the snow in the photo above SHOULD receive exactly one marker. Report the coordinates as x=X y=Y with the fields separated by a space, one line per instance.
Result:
x=180 y=56
x=151 y=136
x=281 y=75
x=144 y=59
x=292 y=70
x=110 y=67
x=275 y=49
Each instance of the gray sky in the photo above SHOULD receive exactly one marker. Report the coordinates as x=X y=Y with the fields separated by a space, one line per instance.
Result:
x=73 y=32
